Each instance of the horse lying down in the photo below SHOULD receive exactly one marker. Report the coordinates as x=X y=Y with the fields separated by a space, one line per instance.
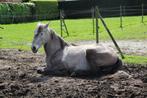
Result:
x=75 y=59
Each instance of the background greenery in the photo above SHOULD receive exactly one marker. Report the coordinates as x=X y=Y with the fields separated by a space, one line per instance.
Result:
x=16 y=12
x=46 y=10
x=26 y=12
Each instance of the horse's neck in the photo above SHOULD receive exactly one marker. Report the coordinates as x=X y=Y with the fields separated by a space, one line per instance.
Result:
x=48 y=50
x=54 y=45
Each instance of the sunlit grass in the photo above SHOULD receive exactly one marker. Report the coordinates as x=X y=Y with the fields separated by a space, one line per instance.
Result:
x=20 y=35
x=132 y=59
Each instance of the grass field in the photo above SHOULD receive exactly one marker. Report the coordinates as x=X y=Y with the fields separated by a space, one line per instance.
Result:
x=20 y=35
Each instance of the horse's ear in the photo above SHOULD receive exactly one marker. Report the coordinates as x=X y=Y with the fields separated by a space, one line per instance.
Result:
x=46 y=26
x=39 y=23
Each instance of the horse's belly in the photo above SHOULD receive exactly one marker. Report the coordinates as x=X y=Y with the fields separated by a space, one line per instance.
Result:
x=75 y=59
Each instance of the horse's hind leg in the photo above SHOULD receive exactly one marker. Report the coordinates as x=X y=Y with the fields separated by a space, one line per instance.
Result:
x=95 y=59
x=112 y=68
x=52 y=71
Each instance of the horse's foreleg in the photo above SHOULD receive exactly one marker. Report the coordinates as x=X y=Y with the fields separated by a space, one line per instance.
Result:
x=45 y=69
x=42 y=70
x=52 y=71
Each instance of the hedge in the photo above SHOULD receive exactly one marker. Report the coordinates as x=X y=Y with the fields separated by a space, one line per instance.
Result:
x=16 y=12
x=22 y=12
x=5 y=15
x=46 y=10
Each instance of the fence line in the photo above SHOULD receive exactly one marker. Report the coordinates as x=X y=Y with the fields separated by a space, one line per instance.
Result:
x=114 y=11
x=132 y=12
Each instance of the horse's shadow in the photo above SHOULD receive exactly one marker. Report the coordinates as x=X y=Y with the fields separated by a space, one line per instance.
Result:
x=46 y=77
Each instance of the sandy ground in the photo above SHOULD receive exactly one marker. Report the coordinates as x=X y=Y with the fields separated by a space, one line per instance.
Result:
x=18 y=79
x=138 y=47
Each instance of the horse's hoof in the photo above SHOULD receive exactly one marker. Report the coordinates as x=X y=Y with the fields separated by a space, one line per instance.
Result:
x=41 y=70
x=73 y=74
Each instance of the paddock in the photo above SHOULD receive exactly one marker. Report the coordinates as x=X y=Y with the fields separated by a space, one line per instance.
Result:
x=18 y=78
x=18 y=65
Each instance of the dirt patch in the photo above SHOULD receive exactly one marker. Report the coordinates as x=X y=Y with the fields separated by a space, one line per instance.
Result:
x=137 y=47
x=18 y=78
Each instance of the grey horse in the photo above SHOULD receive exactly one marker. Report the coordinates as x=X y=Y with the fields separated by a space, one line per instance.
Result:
x=75 y=59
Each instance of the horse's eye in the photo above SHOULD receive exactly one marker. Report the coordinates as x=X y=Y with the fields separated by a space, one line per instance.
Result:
x=41 y=34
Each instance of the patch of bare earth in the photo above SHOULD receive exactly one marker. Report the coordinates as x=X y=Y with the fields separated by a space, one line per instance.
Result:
x=18 y=78
x=136 y=47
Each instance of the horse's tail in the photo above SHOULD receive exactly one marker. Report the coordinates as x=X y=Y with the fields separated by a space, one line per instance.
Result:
x=111 y=69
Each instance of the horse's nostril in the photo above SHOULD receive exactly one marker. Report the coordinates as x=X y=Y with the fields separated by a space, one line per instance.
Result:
x=34 y=49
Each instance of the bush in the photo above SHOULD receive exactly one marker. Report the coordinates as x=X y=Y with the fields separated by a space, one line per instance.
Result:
x=16 y=12
x=24 y=12
x=46 y=10
x=5 y=15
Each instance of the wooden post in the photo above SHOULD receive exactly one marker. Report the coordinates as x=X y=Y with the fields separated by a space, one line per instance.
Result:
x=121 y=17
x=142 y=10
x=96 y=19
x=107 y=29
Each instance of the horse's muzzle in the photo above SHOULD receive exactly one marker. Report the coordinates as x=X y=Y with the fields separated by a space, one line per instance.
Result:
x=34 y=50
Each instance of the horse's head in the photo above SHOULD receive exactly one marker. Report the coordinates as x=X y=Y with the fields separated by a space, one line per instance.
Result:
x=41 y=36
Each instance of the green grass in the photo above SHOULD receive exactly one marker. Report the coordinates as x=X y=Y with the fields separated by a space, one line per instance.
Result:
x=20 y=35
x=133 y=59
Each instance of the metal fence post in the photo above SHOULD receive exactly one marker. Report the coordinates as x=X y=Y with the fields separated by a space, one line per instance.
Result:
x=96 y=19
x=62 y=24
x=93 y=22
x=121 y=17
x=142 y=11
x=109 y=32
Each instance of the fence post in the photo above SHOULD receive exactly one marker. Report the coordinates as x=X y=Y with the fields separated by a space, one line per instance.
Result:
x=93 y=22
x=142 y=11
x=96 y=19
x=109 y=32
x=124 y=11
x=121 y=16
x=61 y=23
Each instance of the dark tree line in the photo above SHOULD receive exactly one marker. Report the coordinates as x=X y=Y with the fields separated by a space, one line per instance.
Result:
x=82 y=8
